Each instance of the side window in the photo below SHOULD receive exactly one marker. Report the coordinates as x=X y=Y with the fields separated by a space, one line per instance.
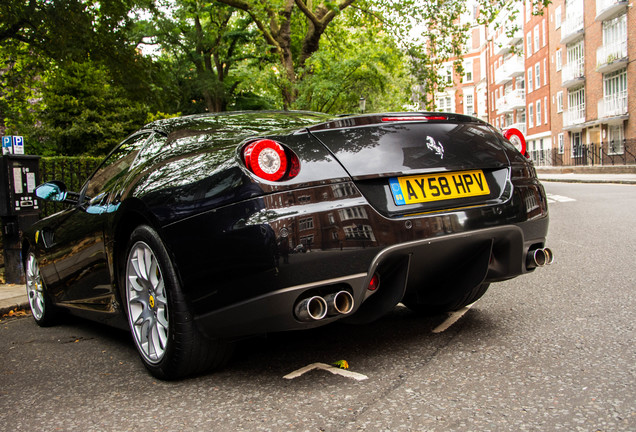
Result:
x=114 y=167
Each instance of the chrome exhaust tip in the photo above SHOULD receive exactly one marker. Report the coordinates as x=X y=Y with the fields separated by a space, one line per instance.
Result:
x=549 y=256
x=340 y=303
x=311 y=309
x=536 y=258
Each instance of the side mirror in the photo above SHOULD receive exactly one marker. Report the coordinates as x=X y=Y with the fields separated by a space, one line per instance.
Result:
x=55 y=191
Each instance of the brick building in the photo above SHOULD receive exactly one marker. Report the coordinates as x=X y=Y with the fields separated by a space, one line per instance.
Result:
x=562 y=77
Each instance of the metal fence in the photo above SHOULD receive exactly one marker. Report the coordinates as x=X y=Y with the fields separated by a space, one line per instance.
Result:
x=73 y=171
x=587 y=155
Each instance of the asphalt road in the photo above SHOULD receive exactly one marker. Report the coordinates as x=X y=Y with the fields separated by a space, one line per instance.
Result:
x=553 y=350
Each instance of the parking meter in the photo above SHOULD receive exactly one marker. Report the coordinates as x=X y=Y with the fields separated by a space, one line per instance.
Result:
x=19 y=208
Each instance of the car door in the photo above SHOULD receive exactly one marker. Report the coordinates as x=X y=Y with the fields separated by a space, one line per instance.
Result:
x=78 y=240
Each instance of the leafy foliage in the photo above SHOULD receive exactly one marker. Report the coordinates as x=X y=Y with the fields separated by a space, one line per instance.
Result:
x=85 y=113
x=76 y=76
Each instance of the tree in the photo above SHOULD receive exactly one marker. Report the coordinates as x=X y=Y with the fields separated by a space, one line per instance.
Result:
x=209 y=40
x=353 y=64
x=84 y=113
x=274 y=20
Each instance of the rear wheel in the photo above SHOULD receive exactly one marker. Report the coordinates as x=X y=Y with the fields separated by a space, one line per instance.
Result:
x=471 y=296
x=42 y=308
x=167 y=339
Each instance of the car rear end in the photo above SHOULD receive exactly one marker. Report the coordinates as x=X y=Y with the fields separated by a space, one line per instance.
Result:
x=369 y=210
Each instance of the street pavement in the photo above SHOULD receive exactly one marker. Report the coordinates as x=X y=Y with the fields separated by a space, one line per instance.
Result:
x=14 y=297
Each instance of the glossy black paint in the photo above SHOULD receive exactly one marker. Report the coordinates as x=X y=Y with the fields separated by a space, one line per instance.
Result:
x=235 y=239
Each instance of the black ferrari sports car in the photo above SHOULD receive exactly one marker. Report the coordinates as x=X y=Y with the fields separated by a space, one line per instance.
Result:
x=199 y=230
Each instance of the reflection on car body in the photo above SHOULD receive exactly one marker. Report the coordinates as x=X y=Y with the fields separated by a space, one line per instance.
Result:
x=199 y=230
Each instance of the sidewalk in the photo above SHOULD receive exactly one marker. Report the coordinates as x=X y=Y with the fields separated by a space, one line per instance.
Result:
x=585 y=174
x=13 y=297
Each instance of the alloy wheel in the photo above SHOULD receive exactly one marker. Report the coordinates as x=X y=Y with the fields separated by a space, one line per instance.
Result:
x=147 y=302
x=35 y=290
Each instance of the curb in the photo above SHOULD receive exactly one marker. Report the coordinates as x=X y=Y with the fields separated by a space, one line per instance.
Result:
x=599 y=181
x=6 y=308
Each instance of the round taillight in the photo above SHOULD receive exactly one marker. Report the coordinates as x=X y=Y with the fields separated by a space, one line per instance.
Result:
x=268 y=160
x=516 y=138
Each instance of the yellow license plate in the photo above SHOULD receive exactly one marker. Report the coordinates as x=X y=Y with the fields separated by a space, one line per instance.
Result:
x=437 y=187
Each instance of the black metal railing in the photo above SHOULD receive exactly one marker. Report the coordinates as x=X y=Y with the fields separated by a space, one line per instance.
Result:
x=588 y=155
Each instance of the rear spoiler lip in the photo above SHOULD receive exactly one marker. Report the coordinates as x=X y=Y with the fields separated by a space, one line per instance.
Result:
x=390 y=118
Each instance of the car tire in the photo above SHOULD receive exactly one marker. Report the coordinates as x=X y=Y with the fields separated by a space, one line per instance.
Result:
x=469 y=297
x=161 y=323
x=44 y=312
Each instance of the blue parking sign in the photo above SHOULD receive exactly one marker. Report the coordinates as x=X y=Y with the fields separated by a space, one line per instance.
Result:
x=18 y=145
x=7 y=145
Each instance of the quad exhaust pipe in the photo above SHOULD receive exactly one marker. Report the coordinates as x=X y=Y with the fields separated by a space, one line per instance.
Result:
x=539 y=258
x=316 y=307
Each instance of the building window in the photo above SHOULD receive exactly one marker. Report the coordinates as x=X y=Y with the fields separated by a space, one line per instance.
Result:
x=545 y=40
x=545 y=72
x=559 y=101
x=537 y=76
x=576 y=104
x=536 y=38
x=615 y=33
x=529 y=44
x=353 y=213
x=561 y=143
x=468 y=70
x=530 y=85
x=343 y=190
x=576 y=60
x=520 y=82
x=444 y=104
x=359 y=232
x=470 y=105
x=530 y=116
x=577 y=145
x=557 y=17
x=538 y=112
x=616 y=139
x=305 y=224
x=559 y=60
x=615 y=93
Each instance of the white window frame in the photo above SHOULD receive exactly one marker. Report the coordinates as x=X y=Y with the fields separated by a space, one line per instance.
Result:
x=468 y=70
x=557 y=17
x=537 y=44
x=561 y=143
x=530 y=80
x=545 y=110
x=538 y=112
x=537 y=75
x=530 y=115
x=615 y=144
x=559 y=101
x=559 y=59
x=469 y=104
x=529 y=44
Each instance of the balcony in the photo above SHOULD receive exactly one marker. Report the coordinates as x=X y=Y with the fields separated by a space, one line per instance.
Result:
x=511 y=68
x=606 y=9
x=502 y=106
x=516 y=99
x=613 y=105
x=520 y=126
x=508 y=38
x=572 y=28
x=573 y=73
x=574 y=116
x=611 y=57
